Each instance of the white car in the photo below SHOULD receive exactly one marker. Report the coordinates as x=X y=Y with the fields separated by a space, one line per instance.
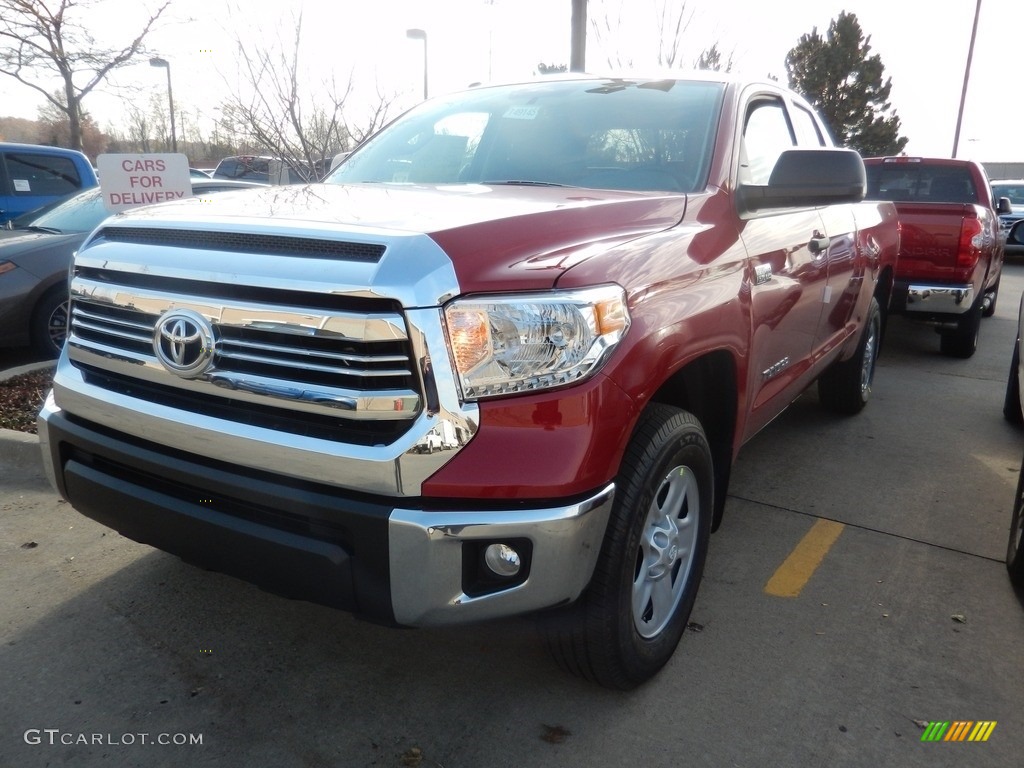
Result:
x=1013 y=190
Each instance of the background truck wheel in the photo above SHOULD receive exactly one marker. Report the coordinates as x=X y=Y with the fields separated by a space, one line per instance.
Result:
x=1011 y=401
x=628 y=623
x=1015 y=546
x=963 y=340
x=50 y=322
x=846 y=386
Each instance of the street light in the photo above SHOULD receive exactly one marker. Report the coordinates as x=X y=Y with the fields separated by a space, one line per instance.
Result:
x=967 y=76
x=419 y=34
x=156 y=61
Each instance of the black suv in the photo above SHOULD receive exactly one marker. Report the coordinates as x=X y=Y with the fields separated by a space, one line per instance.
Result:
x=265 y=170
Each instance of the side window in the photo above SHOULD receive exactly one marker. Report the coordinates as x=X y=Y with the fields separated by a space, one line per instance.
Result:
x=32 y=174
x=765 y=136
x=807 y=133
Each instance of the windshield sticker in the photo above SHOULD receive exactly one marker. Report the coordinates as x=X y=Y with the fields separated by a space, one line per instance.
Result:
x=22 y=185
x=526 y=112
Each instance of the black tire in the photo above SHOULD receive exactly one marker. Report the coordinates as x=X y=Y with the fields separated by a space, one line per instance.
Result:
x=846 y=386
x=1015 y=546
x=627 y=624
x=1011 y=401
x=963 y=341
x=49 y=325
x=989 y=303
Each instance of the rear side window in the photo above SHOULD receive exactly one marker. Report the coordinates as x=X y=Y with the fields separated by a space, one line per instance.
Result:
x=33 y=175
x=807 y=132
x=906 y=182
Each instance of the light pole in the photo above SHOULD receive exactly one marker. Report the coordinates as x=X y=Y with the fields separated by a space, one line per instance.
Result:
x=156 y=61
x=967 y=75
x=419 y=34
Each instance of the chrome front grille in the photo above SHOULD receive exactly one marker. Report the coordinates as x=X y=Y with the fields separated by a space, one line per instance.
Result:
x=353 y=364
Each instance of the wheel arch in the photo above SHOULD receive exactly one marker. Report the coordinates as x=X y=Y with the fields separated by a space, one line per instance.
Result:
x=707 y=388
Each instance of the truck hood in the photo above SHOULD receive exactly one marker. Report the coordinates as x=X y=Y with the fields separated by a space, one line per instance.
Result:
x=497 y=237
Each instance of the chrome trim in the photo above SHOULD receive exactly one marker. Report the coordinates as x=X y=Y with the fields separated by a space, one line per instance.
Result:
x=183 y=342
x=945 y=299
x=426 y=559
x=49 y=407
x=388 y=404
x=414 y=270
x=395 y=469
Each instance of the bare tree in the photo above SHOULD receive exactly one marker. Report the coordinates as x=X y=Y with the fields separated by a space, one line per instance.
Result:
x=275 y=109
x=711 y=59
x=53 y=128
x=39 y=41
x=669 y=22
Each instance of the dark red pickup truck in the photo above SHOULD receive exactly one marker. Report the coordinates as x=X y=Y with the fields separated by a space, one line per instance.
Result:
x=950 y=255
x=591 y=291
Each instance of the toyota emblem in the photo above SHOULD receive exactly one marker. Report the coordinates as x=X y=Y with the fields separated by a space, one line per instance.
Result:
x=183 y=342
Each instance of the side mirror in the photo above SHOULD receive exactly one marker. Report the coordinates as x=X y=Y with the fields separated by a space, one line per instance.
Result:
x=807 y=178
x=1003 y=205
x=1016 y=233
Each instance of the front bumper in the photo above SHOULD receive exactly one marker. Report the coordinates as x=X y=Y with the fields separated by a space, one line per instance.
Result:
x=410 y=564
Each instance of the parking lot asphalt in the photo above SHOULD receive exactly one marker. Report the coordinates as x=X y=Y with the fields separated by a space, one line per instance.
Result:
x=907 y=618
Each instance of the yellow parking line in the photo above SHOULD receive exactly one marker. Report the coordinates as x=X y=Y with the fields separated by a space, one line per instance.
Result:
x=791 y=577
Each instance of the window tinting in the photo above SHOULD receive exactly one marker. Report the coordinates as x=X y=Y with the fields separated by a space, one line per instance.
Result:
x=32 y=174
x=914 y=182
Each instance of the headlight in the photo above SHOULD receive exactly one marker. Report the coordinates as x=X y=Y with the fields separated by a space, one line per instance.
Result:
x=519 y=343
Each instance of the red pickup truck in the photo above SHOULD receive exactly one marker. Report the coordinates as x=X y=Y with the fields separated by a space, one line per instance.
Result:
x=596 y=290
x=950 y=257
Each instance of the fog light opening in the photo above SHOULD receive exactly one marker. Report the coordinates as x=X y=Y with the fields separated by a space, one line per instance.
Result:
x=502 y=560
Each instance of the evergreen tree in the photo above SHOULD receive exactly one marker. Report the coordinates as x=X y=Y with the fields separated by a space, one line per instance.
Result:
x=845 y=84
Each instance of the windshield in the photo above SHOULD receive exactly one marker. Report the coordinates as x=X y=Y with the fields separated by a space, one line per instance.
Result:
x=615 y=134
x=78 y=213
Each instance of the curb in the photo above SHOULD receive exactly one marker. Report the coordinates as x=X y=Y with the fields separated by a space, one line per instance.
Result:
x=19 y=449
x=10 y=373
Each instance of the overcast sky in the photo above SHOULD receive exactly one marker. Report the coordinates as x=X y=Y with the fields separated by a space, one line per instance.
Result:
x=923 y=45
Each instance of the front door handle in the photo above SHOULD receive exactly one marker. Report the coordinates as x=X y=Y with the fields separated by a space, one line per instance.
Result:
x=819 y=243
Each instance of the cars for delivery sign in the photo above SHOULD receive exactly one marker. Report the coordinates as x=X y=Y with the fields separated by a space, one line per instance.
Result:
x=128 y=181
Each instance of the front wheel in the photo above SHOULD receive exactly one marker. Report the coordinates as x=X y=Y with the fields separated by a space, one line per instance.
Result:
x=628 y=623
x=1015 y=546
x=846 y=386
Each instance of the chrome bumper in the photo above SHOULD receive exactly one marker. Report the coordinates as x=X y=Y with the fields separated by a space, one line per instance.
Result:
x=427 y=552
x=940 y=299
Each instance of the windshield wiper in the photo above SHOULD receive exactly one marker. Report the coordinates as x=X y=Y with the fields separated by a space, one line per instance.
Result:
x=46 y=230
x=525 y=183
